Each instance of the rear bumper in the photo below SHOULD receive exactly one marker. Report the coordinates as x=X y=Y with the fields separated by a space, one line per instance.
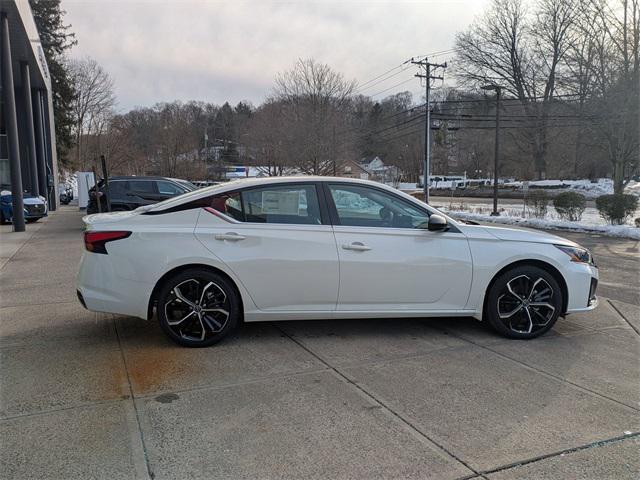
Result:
x=100 y=289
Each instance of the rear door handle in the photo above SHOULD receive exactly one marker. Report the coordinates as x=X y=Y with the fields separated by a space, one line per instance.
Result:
x=357 y=246
x=231 y=236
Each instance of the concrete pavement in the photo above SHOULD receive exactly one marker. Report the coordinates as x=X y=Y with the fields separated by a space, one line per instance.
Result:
x=86 y=395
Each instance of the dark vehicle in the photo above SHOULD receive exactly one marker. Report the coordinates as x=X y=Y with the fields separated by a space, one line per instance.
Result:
x=129 y=193
x=66 y=194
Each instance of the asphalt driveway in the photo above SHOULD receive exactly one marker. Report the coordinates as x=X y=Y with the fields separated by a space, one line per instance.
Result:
x=86 y=395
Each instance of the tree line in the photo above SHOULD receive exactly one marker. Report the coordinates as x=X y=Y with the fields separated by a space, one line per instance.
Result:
x=569 y=71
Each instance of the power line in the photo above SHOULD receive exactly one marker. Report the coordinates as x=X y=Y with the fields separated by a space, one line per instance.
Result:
x=392 y=87
x=529 y=99
x=386 y=117
x=382 y=80
x=360 y=87
x=429 y=70
x=388 y=75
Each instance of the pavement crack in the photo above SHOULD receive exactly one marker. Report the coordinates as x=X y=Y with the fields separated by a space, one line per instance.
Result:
x=150 y=472
x=382 y=404
x=599 y=443
x=544 y=372
x=623 y=316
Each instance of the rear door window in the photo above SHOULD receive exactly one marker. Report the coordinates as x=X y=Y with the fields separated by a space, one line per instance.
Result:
x=284 y=204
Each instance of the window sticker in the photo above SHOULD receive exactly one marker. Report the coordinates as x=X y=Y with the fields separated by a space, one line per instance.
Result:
x=279 y=202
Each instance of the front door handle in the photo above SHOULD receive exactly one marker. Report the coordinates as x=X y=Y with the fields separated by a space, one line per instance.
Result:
x=357 y=246
x=231 y=236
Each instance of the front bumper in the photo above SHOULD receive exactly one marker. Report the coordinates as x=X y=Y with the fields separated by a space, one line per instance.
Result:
x=35 y=211
x=582 y=283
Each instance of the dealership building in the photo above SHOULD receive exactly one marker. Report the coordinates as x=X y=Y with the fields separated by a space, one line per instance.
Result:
x=28 y=159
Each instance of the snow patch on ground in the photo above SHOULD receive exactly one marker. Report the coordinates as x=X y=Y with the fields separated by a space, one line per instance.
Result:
x=603 y=186
x=622 y=231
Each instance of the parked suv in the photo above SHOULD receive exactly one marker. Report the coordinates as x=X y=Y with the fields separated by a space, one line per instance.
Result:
x=129 y=193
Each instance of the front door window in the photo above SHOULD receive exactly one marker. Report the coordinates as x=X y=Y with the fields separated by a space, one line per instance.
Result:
x=369 y=207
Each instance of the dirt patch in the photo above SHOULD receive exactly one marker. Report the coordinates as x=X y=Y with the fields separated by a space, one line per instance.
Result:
x=152 y=368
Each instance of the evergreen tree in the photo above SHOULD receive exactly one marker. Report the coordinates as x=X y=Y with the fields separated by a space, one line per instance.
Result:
x=56 y=38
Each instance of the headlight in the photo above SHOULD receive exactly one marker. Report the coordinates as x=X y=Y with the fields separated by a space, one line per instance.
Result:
x=577 y=254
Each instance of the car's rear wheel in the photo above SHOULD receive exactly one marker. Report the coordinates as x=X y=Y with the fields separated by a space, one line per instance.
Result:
x=524 y=302
x=198 y=308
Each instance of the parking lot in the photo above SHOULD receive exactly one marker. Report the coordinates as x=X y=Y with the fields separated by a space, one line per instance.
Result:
x=87 y=395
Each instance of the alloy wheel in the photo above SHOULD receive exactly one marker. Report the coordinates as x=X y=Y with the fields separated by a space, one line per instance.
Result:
x=525 y=304
x=196 y=308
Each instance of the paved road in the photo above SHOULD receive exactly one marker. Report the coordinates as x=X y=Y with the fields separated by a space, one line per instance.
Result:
x=98 y=396
x=619 y=264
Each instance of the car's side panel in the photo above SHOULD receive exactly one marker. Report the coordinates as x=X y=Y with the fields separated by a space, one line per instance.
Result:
x=403 y=269
x=284 y=267
x=122 y=281
x=490 y=255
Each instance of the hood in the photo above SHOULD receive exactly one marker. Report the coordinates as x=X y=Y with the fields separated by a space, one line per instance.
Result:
x=27 y=198
x=32 y=200
x=526 y=235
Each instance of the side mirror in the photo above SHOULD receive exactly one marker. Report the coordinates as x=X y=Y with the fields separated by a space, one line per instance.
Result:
x=437 y=223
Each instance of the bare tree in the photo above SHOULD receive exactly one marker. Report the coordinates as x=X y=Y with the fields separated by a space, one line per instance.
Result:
x=614 y=78
x=317 y=110
x=522 y=52
x=92 y=104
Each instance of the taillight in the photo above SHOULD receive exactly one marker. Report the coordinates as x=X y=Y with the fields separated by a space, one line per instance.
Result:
x=95 y=241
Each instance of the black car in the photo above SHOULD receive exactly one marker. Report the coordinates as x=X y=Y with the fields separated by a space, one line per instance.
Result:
x=128 y=193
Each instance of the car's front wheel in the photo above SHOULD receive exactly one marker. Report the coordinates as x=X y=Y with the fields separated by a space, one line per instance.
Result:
x=198 y=308
x=524 y=302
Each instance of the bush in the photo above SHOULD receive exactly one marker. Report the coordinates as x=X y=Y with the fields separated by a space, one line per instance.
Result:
x=537 y=202
x=570 y=206
x=616 y=208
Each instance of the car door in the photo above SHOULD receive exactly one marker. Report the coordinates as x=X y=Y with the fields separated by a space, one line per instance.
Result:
x=387 y=263
x=281 y=245
x=118 y=195
x=142 y=192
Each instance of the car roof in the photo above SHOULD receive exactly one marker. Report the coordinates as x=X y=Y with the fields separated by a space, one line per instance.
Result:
x=141 y=177
x=263 y=181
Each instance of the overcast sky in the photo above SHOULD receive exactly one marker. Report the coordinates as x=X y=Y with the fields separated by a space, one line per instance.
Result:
x=230 y=51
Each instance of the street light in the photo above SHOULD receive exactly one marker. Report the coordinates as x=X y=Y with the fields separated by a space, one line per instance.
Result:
x=498 y=90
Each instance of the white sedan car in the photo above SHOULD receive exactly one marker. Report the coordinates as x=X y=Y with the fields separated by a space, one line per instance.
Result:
x=317 y=248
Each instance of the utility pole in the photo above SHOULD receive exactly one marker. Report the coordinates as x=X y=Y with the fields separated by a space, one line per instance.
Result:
x=496 y=150
x=429 y=68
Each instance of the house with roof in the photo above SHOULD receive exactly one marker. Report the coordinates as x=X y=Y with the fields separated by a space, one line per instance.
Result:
x=370 y=168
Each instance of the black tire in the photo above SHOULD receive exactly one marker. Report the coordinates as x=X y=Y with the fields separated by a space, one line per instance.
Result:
x=524 y=302
x=192 y=317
